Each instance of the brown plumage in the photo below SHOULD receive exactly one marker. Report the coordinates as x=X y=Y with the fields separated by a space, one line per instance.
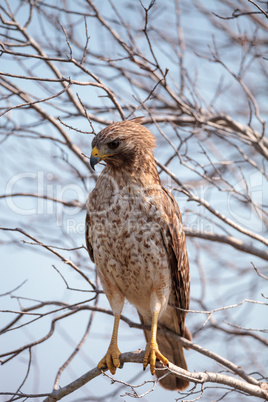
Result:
x=135 y=236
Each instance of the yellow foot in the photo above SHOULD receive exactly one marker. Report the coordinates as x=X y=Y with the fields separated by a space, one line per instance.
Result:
x=151 y=354
x=111 y=359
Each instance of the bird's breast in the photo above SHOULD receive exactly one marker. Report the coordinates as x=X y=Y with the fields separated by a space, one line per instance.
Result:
x=128 y=246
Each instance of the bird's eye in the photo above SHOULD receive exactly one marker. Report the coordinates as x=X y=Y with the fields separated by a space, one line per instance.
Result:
x=114 y=144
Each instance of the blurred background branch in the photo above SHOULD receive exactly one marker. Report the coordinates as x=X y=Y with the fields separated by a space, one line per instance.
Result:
x=197 y=72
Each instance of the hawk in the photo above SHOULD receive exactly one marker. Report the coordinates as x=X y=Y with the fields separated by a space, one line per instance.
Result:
x=134 y=235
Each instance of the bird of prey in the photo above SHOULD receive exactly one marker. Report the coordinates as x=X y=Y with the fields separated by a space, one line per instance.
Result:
x=134 y=235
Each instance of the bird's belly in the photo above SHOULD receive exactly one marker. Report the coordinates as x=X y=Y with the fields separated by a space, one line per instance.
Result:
x=133 y=256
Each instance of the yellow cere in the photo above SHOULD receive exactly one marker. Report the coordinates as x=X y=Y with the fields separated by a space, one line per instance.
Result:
x=95 y=152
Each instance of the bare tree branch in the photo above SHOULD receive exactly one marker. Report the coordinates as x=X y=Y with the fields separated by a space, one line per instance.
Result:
x=202 y=88
x=260 y=390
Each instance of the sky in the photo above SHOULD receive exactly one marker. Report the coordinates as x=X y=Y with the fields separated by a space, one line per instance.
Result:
x=34 y=165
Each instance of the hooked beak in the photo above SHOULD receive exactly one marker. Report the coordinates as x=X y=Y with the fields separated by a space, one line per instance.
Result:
x=94 y=158
x=97 y=156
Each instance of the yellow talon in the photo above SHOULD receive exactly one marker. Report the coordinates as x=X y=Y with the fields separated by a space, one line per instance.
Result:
x=151 y=354
x=111 y=360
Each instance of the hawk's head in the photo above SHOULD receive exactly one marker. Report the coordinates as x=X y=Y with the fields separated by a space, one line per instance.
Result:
x=125 y=144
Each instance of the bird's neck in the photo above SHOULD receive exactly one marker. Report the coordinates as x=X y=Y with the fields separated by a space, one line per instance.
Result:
x=143 y=172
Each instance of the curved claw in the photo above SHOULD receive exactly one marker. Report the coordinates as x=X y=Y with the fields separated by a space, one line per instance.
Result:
x=111 y=360
x=151 y=354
